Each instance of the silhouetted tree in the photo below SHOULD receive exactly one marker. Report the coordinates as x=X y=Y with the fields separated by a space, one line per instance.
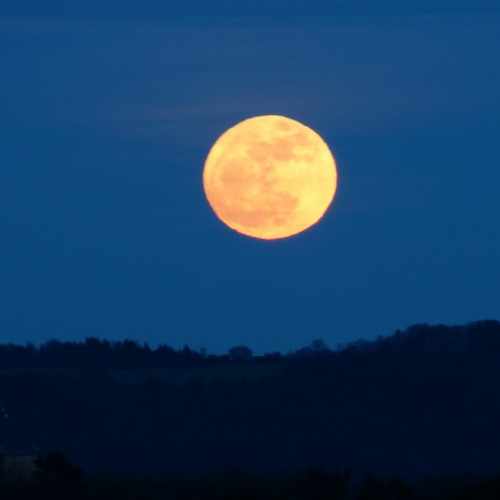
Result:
x=56 y=467
x=240 y=353
x=318 y=484
x=375 y=488
x=319 y=345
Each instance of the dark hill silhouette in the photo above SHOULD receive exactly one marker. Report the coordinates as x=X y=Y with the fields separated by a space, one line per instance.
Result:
x=420 y=401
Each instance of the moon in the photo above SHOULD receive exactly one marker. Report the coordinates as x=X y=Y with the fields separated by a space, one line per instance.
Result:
x=270 y=177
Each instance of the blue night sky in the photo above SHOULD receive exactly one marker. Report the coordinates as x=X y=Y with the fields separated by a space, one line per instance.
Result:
x=108 y=110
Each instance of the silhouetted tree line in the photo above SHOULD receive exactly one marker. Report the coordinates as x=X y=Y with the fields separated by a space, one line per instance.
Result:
x=432 y=344
x=94 y=353
x=422 y=401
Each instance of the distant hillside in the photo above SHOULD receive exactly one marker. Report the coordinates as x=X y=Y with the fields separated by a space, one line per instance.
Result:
x=425 y=400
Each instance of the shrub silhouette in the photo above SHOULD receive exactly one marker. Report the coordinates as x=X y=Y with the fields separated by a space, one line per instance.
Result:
x=55 y=467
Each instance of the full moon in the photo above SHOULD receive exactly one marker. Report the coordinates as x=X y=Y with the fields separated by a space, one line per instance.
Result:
x=270 y=177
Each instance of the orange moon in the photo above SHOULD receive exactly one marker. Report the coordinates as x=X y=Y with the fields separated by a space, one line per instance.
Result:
x=270 y=177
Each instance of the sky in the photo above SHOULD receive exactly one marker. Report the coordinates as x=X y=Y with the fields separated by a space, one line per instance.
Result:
x=108 y=110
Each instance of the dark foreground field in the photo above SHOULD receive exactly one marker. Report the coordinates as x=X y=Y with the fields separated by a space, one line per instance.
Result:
x=308 y=484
